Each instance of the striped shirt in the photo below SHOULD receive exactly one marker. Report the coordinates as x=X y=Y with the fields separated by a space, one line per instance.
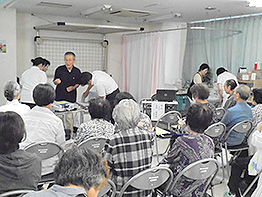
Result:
x=129 y=152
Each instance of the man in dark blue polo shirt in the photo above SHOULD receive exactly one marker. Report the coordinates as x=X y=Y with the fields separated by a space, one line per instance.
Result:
x=66 y=79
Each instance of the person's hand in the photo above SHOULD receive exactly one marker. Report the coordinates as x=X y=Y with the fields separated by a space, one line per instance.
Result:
x=85 y=94
x=69 y=89
x=57 y=81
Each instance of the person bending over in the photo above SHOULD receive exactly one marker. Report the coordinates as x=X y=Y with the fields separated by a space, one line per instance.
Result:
x=80 y=172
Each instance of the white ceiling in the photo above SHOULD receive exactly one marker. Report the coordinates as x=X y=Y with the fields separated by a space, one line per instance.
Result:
x=190 y=10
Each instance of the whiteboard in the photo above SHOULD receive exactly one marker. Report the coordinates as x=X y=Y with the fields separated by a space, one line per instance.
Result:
x=89 y=53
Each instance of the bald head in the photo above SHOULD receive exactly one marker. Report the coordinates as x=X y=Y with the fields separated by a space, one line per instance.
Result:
x=243 y=91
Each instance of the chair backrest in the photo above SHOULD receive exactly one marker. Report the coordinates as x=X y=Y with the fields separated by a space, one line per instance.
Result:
x=109 y=186
x=95 y=143
x=45 y=150
x=15 y=192
x=168 y=118
x=204 y=169
x=220 y=112
x=244 y=127
x=150 y=179
x=216 y=131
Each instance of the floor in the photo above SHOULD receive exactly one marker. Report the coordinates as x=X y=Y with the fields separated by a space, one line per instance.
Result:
x=218 y=190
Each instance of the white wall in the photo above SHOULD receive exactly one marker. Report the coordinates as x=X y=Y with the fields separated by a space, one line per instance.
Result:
x=8 y=59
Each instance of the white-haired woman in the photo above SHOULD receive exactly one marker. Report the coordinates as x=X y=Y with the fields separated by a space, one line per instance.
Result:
x=12 y=95
x=129 y=150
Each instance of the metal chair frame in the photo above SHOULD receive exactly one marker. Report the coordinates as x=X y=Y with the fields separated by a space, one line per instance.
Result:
x=45 y=150
x=15 y=192
x=241 y=127
x=168 y=118
x=150 y=179
x=96 y=143
x=220 y=112
x=109 y=186
x=217 y=131
x=199 y=170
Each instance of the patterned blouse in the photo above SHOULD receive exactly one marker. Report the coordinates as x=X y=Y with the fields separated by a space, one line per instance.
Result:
x=128 y=152
x=257 y=114
x=145 y=122
x=186 y=150
x=94 y=128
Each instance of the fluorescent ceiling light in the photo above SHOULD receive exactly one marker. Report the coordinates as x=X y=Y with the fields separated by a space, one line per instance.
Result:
x=96 y=9
x=9 y=3
x=255 y=3
x=164 y=17
x=56 y=5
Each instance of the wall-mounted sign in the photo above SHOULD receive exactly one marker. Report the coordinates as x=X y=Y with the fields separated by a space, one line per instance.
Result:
x=2 y=46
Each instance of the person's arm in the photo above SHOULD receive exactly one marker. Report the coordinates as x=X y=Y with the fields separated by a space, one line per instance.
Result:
x=57 y=79
x=87 y=90
x=71 y=88
x=174 y=153
x=220 y=91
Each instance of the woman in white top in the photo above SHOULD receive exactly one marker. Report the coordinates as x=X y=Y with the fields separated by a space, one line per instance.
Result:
x=31 y=78
x=12 y=94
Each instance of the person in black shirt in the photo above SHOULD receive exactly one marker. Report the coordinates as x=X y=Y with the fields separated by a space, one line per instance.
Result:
x=66 y=79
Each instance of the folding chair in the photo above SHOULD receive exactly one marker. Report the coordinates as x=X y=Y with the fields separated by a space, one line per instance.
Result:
x=220 y=112
x=166 y=121
x=216 y=131
x=17 y=193
x=204 y=169
x=150 y=179
x=45 y=150
x=244 y=127
x=109 y=186
x=250 y=186
x=95 y=143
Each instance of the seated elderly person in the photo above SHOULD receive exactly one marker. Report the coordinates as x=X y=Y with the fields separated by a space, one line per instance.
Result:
x=257 y=103
x=129 y=150
x=239 y=112
x=190 y=148
x=99 y=124
x=80 y=172
x=229 y=87
x=18 y=169
x=144 y=121
x=43 y=125
x=12 y=95
x=200 y=94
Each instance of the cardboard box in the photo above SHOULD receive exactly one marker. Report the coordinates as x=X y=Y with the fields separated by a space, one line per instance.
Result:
x=258 y=74
x=257 y=84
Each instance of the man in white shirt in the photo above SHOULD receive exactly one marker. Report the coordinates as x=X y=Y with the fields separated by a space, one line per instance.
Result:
x=105 y=85
x=31 y=77
x=222 y=76
x=43 y=125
